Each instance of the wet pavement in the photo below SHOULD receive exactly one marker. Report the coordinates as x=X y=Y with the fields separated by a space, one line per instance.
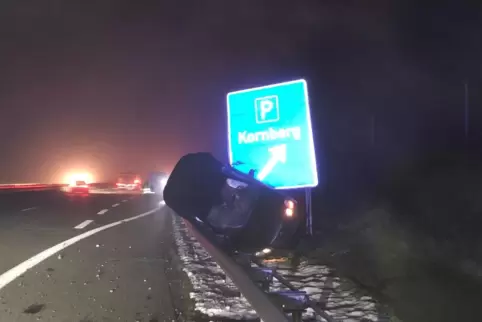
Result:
x=129 y=272
x=129 y=258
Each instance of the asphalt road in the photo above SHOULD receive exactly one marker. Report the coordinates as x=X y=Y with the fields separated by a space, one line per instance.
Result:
x=124 y=272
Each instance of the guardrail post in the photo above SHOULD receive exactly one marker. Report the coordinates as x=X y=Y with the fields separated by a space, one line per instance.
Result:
x=263 y=277
x=243 y=260
x=292 y=302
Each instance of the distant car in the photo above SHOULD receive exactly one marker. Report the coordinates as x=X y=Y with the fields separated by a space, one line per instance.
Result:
x=80 y=187
x=129 y=181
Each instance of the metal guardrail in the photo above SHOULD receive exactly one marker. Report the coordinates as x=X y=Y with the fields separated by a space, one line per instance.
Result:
x=266 y=308
x=254 y=283
x=29 y=186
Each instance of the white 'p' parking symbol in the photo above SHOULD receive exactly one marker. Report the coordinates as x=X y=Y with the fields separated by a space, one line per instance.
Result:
x=267 y=109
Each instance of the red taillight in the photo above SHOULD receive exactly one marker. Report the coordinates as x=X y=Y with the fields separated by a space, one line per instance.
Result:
x=289 y=212
x=289 y=204
x=290 y=208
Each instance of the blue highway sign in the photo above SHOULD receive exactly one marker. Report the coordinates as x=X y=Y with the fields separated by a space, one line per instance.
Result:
x=269 y=130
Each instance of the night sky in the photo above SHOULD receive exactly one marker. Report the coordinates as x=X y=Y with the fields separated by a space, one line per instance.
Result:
x=110 y=86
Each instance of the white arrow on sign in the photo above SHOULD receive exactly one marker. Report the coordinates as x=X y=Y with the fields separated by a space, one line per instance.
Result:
x=278 y=154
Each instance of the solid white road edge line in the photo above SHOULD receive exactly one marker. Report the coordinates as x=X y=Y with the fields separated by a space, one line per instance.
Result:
x=21 y=268
x=103 y=211
x=27 y=209
x=83 y=224
x=115 y=205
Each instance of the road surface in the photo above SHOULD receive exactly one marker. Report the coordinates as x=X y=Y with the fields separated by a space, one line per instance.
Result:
x=112 y=270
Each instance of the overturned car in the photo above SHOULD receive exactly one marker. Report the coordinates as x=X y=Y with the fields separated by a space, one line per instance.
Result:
x=239 y=211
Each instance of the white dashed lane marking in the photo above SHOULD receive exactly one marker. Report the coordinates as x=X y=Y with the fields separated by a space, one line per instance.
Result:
x=21 y=268
x=115 y=205
x=83 y=224
x=103 y=211
x=27 y=209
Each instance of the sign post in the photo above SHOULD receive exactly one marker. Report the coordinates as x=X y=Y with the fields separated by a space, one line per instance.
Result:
x=309 y=214
x=269 y=131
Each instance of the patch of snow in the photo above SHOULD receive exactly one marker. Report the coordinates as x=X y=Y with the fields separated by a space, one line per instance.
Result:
x=216 y=296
